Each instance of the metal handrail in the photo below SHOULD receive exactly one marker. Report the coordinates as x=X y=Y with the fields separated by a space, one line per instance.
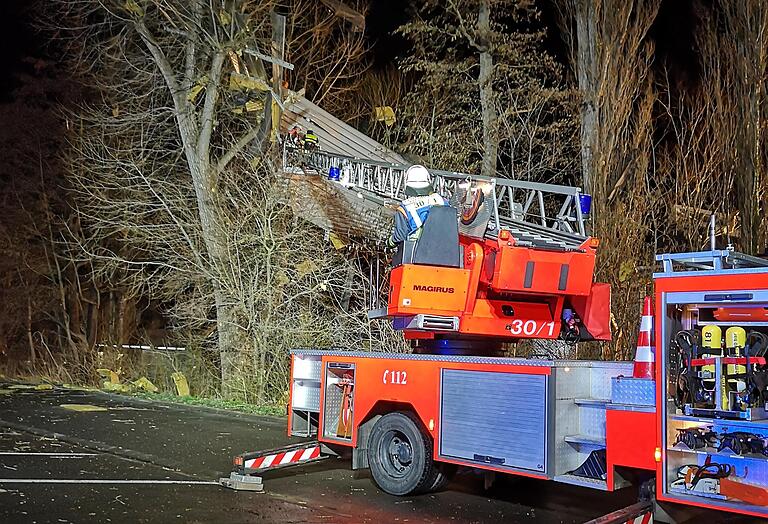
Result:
x=715 y=260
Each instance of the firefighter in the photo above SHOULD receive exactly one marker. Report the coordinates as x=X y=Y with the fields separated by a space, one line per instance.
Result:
x=296 y=137
x=311 y=143
x=414 y=210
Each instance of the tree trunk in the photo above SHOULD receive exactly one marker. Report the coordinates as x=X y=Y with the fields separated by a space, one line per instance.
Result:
x=120 y=327
x=93 y=323
x=230 y=341
x=587 y=72
x=278 y=52
x=215 y=244
x=196 y=140
x=346 y=298
x=487 y=102
x=30 y=340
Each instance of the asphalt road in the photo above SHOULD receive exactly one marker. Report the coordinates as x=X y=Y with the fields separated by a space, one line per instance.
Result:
x=139 y=461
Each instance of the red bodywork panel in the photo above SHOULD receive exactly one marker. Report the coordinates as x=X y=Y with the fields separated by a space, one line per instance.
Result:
x=505 y=291
x=630 y=440
x=592 y=310
x=517 y=269
x=421 y=391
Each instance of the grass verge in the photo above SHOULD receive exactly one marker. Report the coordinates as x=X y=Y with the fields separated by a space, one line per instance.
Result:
x=229 y=405
x=277 y=410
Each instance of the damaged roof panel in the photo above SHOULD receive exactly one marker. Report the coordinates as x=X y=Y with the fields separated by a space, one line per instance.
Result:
x=335 y=136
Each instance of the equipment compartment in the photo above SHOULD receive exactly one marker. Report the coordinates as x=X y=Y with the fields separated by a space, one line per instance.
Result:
x=499 y=419
x=715 y=426
x=339 y=401
x=305 y=395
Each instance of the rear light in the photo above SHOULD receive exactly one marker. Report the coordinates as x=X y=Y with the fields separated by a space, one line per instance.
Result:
x=594 y=242
x=238 y=461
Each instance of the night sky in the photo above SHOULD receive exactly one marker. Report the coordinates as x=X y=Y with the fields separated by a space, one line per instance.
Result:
x=383 y=18
x=672 y=33
x=17 y=41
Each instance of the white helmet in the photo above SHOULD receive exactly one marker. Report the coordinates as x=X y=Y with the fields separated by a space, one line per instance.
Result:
x=417 y=181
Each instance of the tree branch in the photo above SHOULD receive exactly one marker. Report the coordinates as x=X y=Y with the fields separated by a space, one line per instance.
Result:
x=162 y=63
x=464 y=30
x=236 y=148
x=191 y=47
x=207 y=117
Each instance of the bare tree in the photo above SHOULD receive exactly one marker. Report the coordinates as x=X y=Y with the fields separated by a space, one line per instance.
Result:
x=715 y=157
x=734 y=50
x=613 y=58
x=326 y=43
x=482 y=42
x=480 y=70
x=33 y=289
x=178 y=189
x=578 y=19
x=162 y=65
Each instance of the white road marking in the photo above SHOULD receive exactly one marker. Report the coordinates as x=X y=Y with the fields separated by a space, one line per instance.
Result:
x=107 y=481
x=55 y=455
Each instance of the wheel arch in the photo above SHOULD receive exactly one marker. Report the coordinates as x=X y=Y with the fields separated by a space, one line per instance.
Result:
x=379 y=409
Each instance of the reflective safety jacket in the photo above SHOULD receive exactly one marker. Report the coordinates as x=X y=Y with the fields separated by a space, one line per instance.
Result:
x=311 y=141
x=411 y=215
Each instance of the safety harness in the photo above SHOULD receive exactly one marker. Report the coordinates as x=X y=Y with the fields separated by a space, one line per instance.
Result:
x=416 y=210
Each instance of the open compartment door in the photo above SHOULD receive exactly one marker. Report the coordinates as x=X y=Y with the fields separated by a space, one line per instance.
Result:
x=715 y=423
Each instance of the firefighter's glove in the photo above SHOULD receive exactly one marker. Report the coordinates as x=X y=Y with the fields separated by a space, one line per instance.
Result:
x=391 y=246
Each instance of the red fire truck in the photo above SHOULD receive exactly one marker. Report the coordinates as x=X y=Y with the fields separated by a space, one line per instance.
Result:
x=464 y=292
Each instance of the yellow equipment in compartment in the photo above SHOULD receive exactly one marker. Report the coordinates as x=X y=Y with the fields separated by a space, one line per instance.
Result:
x=712 y=346
x=735 y=340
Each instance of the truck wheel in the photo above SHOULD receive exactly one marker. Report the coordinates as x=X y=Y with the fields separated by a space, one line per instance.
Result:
x=444 y=475
x=400 y=456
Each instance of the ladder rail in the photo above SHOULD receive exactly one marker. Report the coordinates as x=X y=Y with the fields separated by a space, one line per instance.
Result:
x=552 y=207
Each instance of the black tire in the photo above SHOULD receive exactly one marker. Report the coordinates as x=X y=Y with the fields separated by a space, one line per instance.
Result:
x=647 y=491
x=400 y=456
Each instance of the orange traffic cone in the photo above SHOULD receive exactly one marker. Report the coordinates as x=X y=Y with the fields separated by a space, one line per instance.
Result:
x=645 y=365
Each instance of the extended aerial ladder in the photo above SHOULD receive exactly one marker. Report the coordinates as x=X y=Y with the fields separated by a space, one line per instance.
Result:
x=538 y=215
x=517 y=264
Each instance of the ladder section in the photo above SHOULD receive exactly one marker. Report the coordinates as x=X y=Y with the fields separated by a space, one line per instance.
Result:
x=533 y=235
x=544 y=216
